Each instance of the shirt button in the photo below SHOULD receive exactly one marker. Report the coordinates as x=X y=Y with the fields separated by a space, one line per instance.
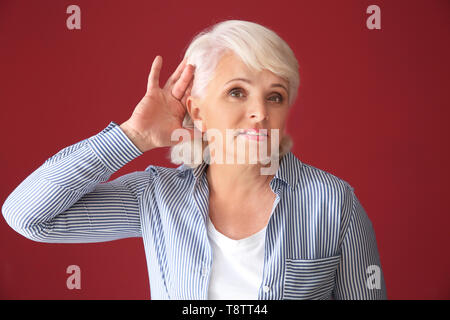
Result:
x=266 y=289
x=204 y=272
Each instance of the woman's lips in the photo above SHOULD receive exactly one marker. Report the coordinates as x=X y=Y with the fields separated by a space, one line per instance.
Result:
x=254 y=137
x=255 y=134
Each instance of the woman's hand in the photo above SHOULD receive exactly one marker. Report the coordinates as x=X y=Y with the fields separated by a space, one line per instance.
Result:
x=160 y=111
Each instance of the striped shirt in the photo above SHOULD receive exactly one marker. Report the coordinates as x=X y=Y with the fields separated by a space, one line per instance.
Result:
x=319 y=242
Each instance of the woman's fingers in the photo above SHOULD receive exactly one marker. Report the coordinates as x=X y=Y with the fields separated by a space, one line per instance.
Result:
x=178 y=82
x=187 y=93
x=189 y=88
x=176 y=74
x=153 y=77
x=182 y=84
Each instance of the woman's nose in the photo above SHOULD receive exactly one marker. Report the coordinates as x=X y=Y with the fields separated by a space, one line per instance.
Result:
x=258 y=112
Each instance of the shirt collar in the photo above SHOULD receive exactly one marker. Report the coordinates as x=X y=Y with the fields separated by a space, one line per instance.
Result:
x=289 y=170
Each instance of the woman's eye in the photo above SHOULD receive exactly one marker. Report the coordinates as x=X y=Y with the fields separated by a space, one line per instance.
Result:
x=237 y=91
x=278 y=98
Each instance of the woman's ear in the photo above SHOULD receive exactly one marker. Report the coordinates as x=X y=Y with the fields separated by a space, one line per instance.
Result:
x=194 y=110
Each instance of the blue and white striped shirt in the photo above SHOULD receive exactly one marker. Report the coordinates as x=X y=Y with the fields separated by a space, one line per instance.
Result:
x=319 y=242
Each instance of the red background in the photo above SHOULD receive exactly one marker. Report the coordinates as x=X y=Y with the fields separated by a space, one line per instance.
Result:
x=373 y=109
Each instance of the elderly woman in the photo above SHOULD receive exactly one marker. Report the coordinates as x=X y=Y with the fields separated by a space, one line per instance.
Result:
x=212 y=229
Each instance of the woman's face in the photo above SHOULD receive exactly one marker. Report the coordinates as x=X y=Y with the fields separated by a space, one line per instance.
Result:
x=240 y=98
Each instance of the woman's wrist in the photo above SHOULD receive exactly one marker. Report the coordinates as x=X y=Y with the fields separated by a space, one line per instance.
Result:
x=135 y=137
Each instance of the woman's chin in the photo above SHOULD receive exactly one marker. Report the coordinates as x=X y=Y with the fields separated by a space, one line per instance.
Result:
x=250 y=155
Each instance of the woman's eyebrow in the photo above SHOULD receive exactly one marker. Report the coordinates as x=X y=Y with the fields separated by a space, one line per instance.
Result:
x=248 y=81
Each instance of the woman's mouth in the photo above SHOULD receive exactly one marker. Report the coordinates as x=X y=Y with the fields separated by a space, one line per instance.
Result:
x=254 y=134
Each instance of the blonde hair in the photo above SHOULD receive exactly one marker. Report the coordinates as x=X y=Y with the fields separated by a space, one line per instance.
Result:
x=258 y=47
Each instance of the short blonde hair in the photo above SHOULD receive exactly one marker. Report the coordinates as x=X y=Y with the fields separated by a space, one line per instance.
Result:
x=258 y=47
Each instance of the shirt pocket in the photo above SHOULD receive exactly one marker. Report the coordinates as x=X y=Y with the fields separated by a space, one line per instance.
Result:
x=310 y=279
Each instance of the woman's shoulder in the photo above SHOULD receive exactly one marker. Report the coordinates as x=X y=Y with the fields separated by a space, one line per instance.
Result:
x=162 y=173
x=311 y=176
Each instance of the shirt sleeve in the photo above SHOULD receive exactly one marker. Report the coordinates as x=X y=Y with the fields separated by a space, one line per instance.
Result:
x=66 y=200
x=359 y=275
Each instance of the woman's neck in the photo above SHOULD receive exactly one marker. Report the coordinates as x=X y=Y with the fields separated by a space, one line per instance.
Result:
x=236 y=181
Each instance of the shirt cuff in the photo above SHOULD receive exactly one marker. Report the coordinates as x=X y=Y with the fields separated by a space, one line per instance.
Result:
x=113 y=147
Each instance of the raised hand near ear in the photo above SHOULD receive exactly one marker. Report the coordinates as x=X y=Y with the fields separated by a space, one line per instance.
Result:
x=161 y=110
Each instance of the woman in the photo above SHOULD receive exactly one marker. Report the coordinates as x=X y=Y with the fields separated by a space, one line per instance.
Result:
x=212 y=229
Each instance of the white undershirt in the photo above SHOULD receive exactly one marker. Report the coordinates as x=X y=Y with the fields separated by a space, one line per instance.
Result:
x=237 y=266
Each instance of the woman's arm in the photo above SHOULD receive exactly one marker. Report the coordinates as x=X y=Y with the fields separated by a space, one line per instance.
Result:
x=359 y=275
x=65 y=199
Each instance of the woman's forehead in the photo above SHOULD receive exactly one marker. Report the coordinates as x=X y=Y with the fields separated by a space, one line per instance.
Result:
x=232 y=68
